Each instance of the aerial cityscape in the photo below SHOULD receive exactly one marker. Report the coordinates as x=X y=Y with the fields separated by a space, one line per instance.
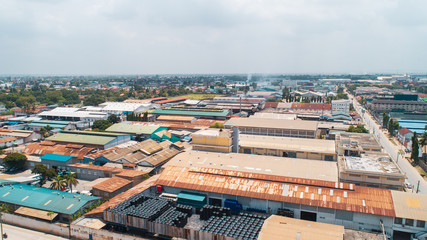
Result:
x=223 y=120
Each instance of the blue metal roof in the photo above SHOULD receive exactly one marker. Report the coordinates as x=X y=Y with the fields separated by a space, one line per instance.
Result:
x=44 y=199
x=56 y=157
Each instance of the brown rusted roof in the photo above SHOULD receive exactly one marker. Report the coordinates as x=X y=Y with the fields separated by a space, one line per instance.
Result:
x=41 y=148
x=125 y=195
x=111 y=185
x=318 y=193
x=9 y=139
x=161 y=157
x=271 y=104
x=130 y=173
x=95 y=167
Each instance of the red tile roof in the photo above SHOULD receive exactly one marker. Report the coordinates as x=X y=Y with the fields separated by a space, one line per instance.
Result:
x=271 y=104
x=324 y=106
x=404 y=131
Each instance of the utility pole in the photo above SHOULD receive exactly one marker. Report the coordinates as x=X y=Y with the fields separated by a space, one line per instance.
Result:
x=418 y=186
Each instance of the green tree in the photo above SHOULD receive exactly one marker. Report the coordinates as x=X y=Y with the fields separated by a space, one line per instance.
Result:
x=15 y=160
x=415 y=149
x=358 y=129
x=94 y=100
x=393 y=125
x=217 y=125
x=71 y=180
x=58 y=183
x=45 y=173
x=113 y=118
x=145 y=117
x=101 y=125
x=423 y=142
x=386 y=119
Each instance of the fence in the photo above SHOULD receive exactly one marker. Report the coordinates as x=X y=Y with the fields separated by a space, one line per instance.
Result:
x=36 y=225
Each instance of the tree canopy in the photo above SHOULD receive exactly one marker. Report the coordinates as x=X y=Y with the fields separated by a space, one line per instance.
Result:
x=101 y=125
x=15 y=160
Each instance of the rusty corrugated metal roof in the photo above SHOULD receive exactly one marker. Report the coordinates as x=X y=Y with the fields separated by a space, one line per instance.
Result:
x=125 y=195
x=335 y=195
x=42 y=148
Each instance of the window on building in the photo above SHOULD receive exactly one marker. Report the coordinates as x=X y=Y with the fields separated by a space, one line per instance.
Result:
x=393 y=179
x=373 y=177
x=421 y=224
x=398 y=220
x=409 y=222
x=354 y=175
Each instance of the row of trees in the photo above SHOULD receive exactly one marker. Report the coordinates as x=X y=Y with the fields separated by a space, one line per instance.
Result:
x=416 y=145
x=390 y=124
x=137 y=117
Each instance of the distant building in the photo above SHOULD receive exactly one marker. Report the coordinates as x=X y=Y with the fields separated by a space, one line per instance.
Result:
x=199 y=112
x=371 y=170
x=356 y=144
x=100 y=140
x=316 y=149
x=274 y=127
x=341 y=106
x=213 y=140
x=397 y=105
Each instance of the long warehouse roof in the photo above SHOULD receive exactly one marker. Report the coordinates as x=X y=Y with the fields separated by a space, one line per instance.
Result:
x=335 y=195
x=272 y=123
x=288 y=143
x=258 y=164
x=43 y=198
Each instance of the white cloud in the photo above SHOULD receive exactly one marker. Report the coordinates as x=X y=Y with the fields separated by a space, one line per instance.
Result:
x=194 y=36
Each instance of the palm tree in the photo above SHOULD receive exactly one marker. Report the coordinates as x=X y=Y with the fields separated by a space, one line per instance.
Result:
x=70 y=180
x=58 y=183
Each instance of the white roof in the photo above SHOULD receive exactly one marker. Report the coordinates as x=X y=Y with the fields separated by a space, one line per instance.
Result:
x=122 y=106
x=69 y=113
x=288 y=143
x=271 y=165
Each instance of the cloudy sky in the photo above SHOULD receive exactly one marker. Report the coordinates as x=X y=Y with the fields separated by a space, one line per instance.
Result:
x=212 y=36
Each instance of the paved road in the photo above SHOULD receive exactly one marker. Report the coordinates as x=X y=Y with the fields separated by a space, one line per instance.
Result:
x=411 y=173
x=18 y=233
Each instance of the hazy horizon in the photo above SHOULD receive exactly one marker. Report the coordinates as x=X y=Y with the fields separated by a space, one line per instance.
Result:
x=131 y=37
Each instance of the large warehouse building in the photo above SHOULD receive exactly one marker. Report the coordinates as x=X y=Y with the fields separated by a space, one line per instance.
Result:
x=274 y=127
x=268 y=190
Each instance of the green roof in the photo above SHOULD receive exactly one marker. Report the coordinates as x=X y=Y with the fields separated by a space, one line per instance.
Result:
x=191 y=112
x=192 y=196
x=95 y=133
x=56 y=157
x=132 y=128
x=81 y=138
x=44 y=199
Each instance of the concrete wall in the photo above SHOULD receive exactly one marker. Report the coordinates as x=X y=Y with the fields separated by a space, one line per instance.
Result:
x=80 y=232
x=36 y=225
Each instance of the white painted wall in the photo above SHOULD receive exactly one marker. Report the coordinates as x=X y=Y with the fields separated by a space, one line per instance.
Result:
x=36 y=225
